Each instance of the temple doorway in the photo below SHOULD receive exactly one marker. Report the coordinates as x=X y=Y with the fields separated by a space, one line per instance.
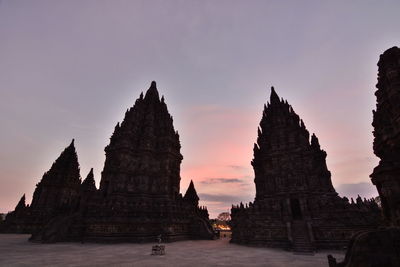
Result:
x=296 y=210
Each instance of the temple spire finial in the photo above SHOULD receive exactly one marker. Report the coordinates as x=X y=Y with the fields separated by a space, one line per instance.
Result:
x=274 y=98
x=152 y=92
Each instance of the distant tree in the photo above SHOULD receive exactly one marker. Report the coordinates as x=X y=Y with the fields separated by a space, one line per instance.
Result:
x=224 y=216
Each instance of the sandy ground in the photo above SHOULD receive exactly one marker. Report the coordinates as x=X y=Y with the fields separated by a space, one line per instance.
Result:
x=15 y=250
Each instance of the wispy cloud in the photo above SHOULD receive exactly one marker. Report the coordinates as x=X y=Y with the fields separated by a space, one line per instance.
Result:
x=238 y=167
x=221 y=180
x=221 y=198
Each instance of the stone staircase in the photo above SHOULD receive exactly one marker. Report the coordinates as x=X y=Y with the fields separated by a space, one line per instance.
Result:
x=301 y=239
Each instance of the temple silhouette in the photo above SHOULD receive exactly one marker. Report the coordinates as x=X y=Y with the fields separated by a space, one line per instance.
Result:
x=296 y=206
x=139 y=196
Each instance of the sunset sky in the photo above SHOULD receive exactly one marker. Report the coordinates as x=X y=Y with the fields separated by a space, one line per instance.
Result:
x=70 y=69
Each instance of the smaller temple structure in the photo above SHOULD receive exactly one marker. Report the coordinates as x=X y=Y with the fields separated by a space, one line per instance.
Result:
x=56 y=194
x=296 y=206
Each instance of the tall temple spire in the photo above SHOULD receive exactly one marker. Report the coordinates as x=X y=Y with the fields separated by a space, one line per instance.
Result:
x=144 y=140
x=294 y=191
x=281 y=135
x=141 y=179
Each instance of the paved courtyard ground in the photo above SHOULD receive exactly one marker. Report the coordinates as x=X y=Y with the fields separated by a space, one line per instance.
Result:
x=15 y=250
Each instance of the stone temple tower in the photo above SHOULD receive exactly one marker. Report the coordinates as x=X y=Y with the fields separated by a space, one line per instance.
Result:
x=296 y=206
x=285 y=161
x=381 y=247
x=139 y=190
x=143 y=156
x=386 y=122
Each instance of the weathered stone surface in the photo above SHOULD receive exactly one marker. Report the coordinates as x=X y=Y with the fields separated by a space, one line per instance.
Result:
x=296 y=205
x=386 y=122
x=382 y=247
x=372 y=249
